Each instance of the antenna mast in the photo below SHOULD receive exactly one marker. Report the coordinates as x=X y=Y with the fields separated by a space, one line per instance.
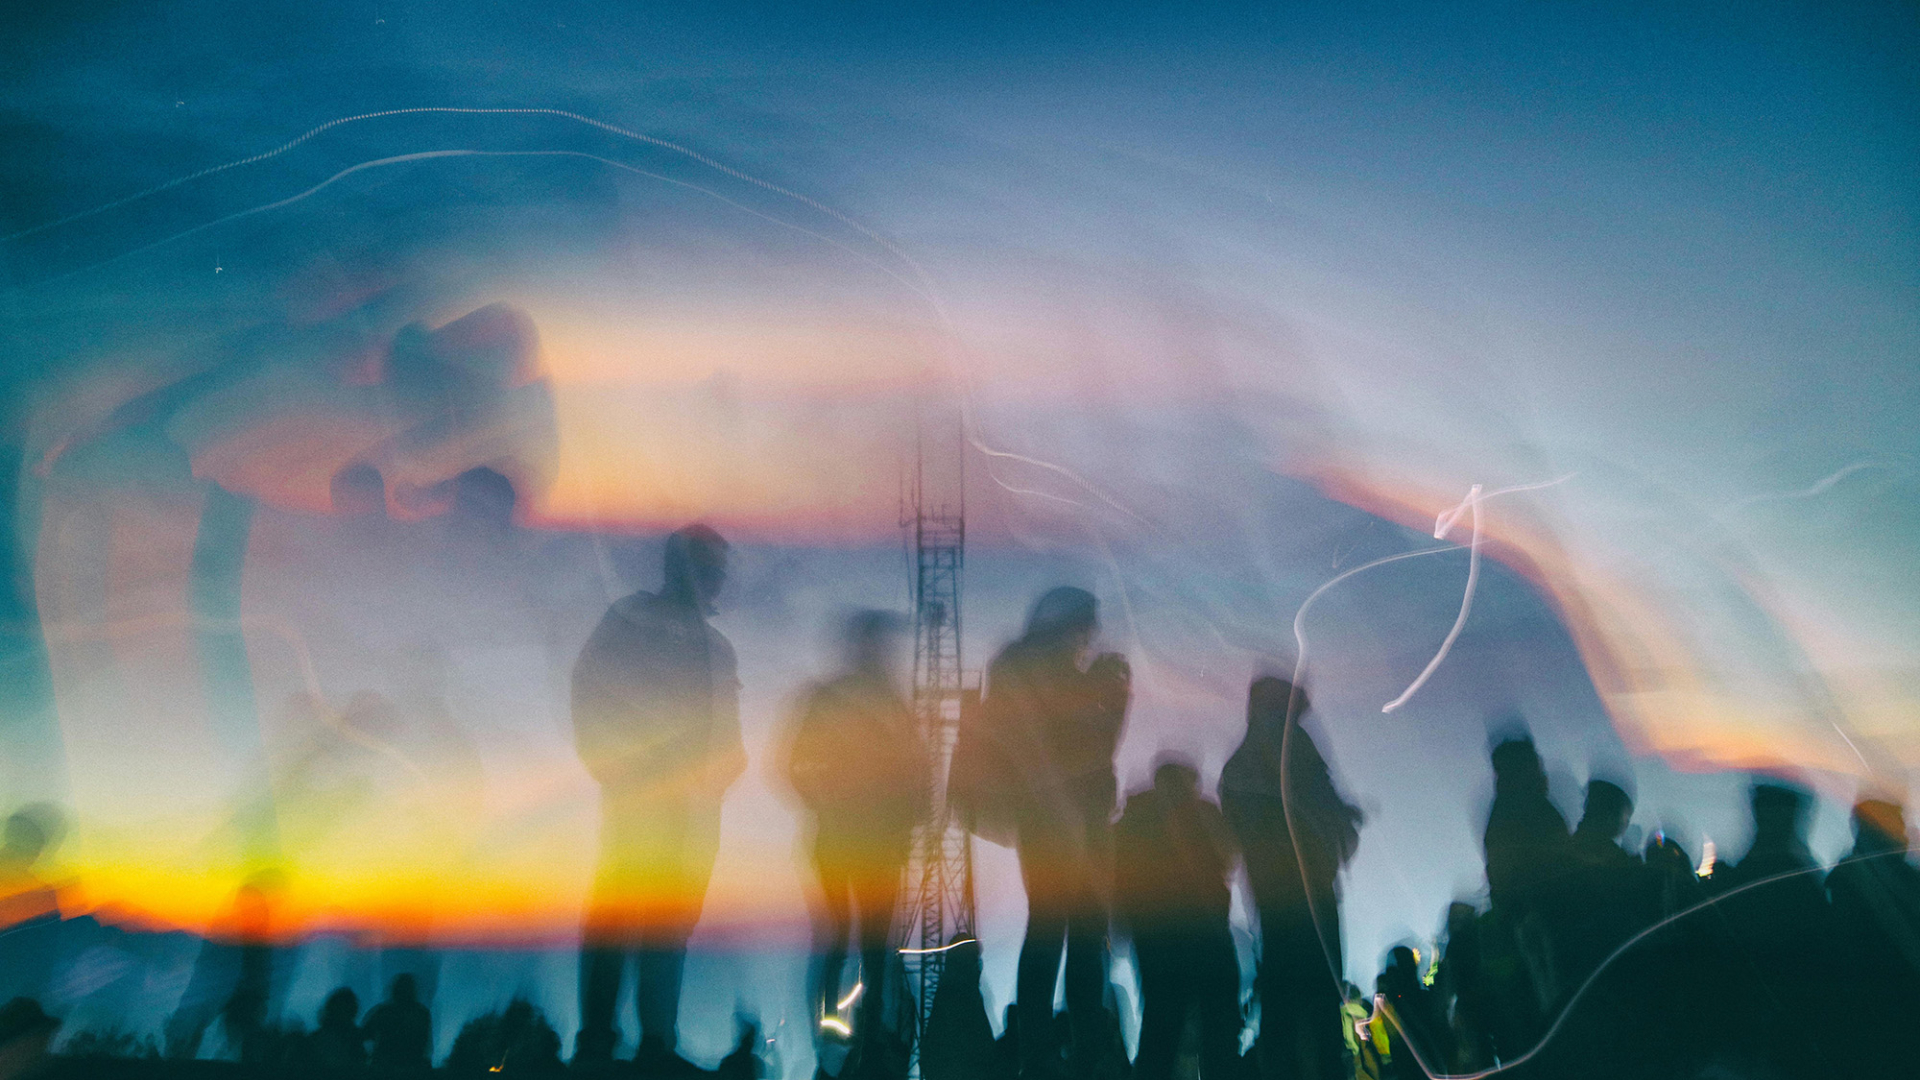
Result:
x=940 y=873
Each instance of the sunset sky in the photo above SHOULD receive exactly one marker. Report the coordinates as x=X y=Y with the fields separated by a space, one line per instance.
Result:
x=1213 y=306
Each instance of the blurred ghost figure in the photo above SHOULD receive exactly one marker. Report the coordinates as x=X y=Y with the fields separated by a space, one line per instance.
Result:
x=1875 y=891
x=1527 y=848
x=358 y=491
x=1781 y=973
x=657 y=722
x=1173 y=854
x=29 y=905
x=1054 y=726
x=1295 y=831
x=400 y=1028
x=232 y=977
x=857 y=761
x=958 y=1043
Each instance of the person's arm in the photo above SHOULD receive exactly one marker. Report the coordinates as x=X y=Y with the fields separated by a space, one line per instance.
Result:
x=809 y=755
x=727 y=750
x=1111 y=679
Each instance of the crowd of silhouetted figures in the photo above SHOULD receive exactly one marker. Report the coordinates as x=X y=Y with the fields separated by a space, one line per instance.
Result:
x=1590 y=960
x=1587 y=959
x=393 y=1038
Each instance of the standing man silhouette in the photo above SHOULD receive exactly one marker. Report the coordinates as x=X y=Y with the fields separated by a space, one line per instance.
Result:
x=1296 y=830
x=1055 y=725
x=656 y=719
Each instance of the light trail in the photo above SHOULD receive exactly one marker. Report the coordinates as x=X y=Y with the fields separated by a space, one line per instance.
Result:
x=938 y=949
x=1560 y=1020
x=1441 y=527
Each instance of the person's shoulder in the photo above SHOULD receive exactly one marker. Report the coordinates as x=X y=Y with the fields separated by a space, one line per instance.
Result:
x=635 y=610
x=639 y=604
x=1012 y=654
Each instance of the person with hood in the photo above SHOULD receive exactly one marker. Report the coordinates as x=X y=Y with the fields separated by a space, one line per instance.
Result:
x=1295 y=831
x=656 y=718
x=1053 y=720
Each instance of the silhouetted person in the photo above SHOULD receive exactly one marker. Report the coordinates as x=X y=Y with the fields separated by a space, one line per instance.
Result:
x=1526 y=843
x=1875 y=892
x=358 y=491
x=400 y=1028
x=1526 y=838
x=29 y=906
x=743 y=1062
x=1782 y=969
x=657 y=722
x=1173 y=855
x=338 y=1043
x=232 y=977
x=1415 y=1014
x=1609 y=896
x=958 y=1043
x=1460 y=984
x=1295 y=831
x=516 y=1041
x=484 y=499
x=859 y=764
x=25 y=1033
x=1055 y=725
x=1006 y=1048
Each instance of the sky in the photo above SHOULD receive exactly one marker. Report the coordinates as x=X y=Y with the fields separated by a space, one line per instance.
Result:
x=1209 y=306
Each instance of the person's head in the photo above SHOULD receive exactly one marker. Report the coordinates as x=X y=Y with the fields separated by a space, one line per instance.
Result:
x=1608 y=810
x=31 y=831
x=1271 y=700
x=369 y=713
x=341 y=1010
x=1176 y=780
x=1879 y=825
x=1401 y=959
x=254 y=901
x=404 y=989
x=485 y=497
x=1065 y=618
x=26 y=839
x=359 y=491
x=1779 y=811
x=1460 y=916
x=25 y=1032
x=695 y=566
x=870 y=638
x=1517 y=768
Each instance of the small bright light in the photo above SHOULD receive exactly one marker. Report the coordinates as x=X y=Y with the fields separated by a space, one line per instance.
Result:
x=835 y=1024
x=1706 y=859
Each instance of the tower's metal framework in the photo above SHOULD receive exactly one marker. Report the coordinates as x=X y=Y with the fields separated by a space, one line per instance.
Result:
x=940 y=874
